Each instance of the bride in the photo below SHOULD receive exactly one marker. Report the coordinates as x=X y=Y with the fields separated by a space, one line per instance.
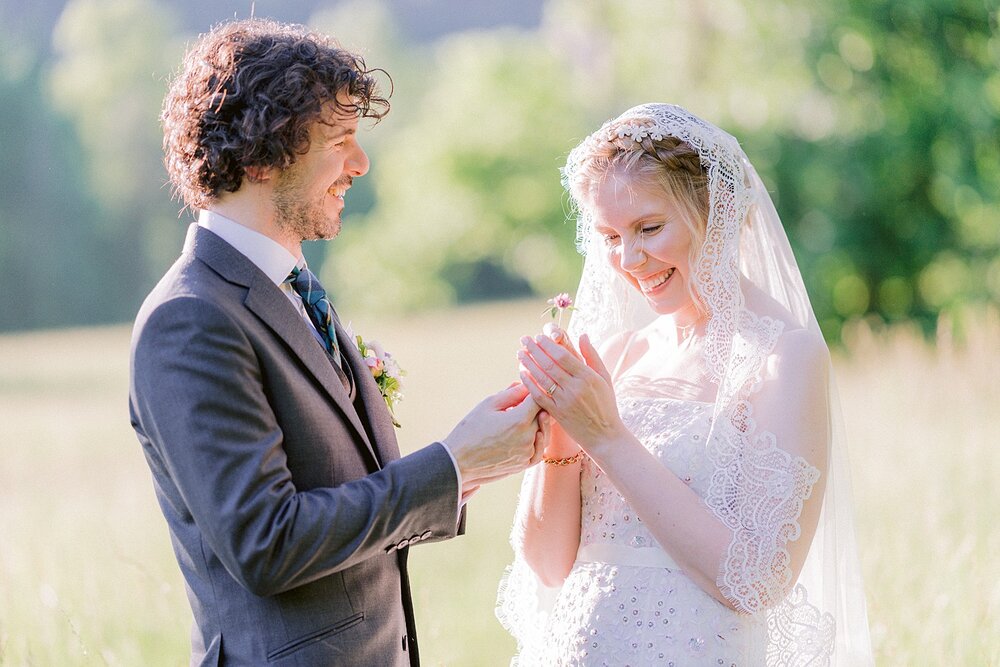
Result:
x=694 y=505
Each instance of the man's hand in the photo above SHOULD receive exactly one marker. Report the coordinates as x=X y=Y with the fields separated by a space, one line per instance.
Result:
x=499 y=437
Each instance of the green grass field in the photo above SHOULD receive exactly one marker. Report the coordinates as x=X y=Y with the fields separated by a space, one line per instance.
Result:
x=87 y=576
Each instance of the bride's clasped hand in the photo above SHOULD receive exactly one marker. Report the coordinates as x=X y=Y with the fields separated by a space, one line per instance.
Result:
x=574 y=387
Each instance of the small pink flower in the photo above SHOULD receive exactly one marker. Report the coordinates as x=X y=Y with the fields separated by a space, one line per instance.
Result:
x=385 y=370
x=561 y=301
x=558 y=305
x=376 y=365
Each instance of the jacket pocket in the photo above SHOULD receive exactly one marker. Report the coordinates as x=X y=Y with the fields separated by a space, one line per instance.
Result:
x=313 y=637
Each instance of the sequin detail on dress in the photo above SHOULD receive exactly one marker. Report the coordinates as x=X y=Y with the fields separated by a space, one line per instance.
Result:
x=609 y=613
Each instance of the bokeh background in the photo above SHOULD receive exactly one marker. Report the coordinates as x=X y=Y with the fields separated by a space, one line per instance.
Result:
x=875 y=123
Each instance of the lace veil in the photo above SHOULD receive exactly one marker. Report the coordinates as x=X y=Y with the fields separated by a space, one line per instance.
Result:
x=758 y=488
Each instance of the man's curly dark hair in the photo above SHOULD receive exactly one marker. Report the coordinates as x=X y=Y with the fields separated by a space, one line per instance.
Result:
x=246 y=97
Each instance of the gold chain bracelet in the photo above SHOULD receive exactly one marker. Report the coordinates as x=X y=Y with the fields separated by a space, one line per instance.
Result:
x=569 y=460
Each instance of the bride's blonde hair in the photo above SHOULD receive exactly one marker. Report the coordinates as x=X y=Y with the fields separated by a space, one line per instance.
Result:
x=664 y=165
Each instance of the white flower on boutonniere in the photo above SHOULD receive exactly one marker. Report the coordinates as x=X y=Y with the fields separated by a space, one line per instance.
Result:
x=386 y=372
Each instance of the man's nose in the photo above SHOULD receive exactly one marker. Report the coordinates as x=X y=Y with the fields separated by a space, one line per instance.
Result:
x=358 y=163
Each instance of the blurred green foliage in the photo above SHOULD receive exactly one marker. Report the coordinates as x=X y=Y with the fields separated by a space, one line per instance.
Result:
x=86 y=225
x=874 y=122
x=896 y=208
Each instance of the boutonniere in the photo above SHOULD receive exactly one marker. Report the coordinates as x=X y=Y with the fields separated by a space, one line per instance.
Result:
x=386 y=372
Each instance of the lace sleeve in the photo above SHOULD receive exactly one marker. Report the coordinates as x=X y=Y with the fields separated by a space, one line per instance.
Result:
x=762 y=480
x=758 y=492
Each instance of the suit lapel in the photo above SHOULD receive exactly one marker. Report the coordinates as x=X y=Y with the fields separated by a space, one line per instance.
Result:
x=268 y=303
x=383 y=432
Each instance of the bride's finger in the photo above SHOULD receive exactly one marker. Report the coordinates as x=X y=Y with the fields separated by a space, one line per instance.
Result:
x=552 y=331
x=560 y=355
x=541 y=437
x=545 y=360
x=560 y=337
x=545 y=377
x=538 y=394
x=593 y=359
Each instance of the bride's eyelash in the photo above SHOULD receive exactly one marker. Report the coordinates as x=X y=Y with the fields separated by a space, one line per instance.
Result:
x=613 y=240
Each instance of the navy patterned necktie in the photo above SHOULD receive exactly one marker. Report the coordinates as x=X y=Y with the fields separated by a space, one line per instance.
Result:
x=318 y=307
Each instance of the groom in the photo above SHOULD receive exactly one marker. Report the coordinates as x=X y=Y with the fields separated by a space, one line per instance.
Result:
x=273 y=455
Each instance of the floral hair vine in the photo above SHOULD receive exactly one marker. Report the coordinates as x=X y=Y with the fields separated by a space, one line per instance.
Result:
x=385 y=371
x=636 y=132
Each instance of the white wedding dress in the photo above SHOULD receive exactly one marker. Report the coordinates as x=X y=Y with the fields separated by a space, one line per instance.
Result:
x=625 y=602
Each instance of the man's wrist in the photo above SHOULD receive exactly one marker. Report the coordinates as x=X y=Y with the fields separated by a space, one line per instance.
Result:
x=454 y=459
x=462 y=497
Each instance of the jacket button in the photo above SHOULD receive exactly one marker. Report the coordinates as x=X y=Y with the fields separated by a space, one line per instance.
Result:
x=403 y=544
x=389 y=549
x=426 y=534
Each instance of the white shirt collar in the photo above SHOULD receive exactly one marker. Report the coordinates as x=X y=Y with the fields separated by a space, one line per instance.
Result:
x=267 y=254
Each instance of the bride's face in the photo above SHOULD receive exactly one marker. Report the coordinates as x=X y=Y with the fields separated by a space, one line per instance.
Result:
x=647 y=242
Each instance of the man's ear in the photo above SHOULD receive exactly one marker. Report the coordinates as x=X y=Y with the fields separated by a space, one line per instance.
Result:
x=258 y=174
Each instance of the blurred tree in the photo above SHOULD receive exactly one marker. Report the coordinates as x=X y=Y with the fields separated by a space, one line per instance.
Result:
x=896 y=204
x=705 y=56
x=46 y=248
x=109 y=78
x=875 y=124
x=469 y=200
x=469 y=204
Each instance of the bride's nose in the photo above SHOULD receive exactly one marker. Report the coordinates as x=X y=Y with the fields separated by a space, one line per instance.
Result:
x=633 y=255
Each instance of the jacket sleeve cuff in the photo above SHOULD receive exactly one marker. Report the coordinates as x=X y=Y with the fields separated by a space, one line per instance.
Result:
x=458 y=476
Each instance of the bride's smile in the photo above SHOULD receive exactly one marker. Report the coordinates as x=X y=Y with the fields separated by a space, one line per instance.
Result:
x=651 y=286
x=648 y=241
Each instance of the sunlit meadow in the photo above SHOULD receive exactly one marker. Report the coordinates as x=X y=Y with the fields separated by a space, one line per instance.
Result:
x=87 y=576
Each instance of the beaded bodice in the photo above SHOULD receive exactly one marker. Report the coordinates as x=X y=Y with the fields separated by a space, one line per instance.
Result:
x=626 y=602
x=674 y=431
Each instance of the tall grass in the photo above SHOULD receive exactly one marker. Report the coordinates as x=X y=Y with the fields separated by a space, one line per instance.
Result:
x=87 y=576
x=925 y=443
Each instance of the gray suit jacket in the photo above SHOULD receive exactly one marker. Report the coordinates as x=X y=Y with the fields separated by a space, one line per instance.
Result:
x=288 y=505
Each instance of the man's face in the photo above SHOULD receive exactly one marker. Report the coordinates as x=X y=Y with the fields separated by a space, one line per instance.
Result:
x=308 y=196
